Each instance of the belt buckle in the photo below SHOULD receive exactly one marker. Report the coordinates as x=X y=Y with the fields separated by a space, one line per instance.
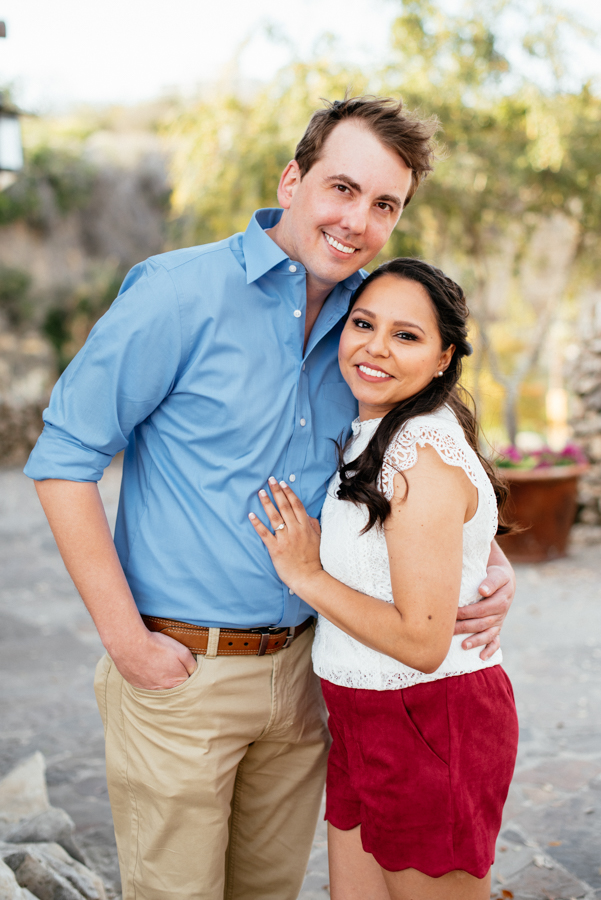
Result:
x=290 y=637
x=265 y=635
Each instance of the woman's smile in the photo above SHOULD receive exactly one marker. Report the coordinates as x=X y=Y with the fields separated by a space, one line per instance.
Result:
x=372 y=373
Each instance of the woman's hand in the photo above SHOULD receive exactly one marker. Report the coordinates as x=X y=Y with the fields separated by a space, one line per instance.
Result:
x=294 y=548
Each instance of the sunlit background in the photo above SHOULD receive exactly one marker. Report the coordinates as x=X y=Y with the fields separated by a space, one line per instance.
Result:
x=127 y=51
x=156 y=124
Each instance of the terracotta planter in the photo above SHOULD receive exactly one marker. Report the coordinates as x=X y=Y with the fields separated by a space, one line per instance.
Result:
x=543 y=502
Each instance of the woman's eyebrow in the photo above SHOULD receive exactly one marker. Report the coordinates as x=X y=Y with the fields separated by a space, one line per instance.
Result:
x=408 y=325
x=397 y=324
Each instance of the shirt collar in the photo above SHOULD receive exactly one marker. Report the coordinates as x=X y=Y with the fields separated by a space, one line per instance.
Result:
x=261 y=254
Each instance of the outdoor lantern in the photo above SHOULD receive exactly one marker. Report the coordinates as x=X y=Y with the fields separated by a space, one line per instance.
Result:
x=11 y=147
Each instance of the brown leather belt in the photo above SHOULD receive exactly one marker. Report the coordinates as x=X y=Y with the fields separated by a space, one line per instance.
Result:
x=228 y=641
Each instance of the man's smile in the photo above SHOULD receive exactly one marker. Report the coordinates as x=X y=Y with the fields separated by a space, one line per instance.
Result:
x=338 y=245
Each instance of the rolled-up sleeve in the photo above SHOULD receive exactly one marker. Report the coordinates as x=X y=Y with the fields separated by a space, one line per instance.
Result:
x=127 y=366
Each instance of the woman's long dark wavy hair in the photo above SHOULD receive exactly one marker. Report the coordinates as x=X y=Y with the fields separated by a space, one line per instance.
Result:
x=359 y=478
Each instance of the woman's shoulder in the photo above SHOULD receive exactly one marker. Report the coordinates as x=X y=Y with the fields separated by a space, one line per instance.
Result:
x=441 y=422
x=439 y=429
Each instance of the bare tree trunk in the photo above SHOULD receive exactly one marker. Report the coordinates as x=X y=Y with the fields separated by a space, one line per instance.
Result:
x=513 y=383
x=479 y=356
x=512 y=395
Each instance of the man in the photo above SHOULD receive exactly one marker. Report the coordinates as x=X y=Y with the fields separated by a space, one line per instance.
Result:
x=215 y=368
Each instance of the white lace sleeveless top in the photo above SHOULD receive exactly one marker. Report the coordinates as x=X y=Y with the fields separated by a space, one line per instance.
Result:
x=361 y=561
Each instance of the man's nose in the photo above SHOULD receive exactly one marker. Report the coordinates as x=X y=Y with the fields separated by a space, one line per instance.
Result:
x=355 y=217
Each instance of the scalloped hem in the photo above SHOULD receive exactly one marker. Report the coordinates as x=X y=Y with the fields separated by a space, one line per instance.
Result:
x=478 y=869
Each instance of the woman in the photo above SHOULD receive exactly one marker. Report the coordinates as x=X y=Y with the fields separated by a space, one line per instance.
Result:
x=424 y=732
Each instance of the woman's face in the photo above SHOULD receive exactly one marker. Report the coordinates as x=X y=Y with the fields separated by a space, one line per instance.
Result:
x=390 y=347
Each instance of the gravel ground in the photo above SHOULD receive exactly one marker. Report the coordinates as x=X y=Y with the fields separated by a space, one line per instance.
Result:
x=551 y=843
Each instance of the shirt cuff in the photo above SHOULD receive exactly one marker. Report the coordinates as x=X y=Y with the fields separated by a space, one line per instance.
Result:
x=59 y=455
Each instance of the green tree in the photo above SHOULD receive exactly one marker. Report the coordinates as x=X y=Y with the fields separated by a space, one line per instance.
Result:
x=518 y=154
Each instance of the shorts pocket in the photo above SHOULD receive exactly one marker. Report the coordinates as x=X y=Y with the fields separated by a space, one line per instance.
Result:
x=428 y=716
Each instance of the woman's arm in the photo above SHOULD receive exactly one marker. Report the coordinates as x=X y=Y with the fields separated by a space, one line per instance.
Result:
x=424 y=534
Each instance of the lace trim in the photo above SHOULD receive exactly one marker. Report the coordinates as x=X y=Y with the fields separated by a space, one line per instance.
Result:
x=402 y=454
x=394 y=681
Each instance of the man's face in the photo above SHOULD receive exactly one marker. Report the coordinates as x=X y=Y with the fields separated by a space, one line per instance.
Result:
x=340 y=215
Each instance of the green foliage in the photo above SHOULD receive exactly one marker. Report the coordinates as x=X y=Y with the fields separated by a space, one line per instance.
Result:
x=14 y=295
x=68 y=175
x=56 y=329
x=70 y=319
x=54 y=182
x=17 y=202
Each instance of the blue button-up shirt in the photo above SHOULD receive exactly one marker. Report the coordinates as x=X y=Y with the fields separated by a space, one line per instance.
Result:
x=198 y=371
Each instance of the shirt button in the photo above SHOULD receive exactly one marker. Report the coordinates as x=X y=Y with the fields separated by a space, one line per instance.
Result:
x=292 y=268
x=304 y=367
x=297 y=313
x=303 y=422
x=292 y=477
x=290 y=591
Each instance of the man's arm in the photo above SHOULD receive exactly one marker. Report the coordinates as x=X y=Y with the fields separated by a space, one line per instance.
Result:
x=484 y=619
x=78 y=521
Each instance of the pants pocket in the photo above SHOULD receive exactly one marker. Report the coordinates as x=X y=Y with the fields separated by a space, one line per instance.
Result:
x=145 y=696
x=101 y=674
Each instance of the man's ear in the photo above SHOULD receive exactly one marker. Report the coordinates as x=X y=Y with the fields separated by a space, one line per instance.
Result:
x=290 y=180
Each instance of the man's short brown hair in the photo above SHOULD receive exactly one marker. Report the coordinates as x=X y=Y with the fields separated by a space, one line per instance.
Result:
x=405 y=133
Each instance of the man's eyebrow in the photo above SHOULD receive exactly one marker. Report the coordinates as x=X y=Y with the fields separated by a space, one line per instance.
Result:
x=387 y=198
x=391 y=198
x=331 y=179
x=397 y=324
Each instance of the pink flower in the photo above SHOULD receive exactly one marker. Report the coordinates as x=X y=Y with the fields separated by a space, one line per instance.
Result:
x=513 y=458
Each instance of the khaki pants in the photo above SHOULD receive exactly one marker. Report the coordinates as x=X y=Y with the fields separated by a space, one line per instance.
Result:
x=215 y=785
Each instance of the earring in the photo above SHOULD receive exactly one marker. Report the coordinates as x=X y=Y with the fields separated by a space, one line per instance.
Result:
x=440 y=374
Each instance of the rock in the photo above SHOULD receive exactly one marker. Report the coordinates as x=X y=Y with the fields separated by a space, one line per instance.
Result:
x=42 y=878
x=9 y=886
x=52 y=825
x=50 y=873
x=537 y=882
x=23 y=791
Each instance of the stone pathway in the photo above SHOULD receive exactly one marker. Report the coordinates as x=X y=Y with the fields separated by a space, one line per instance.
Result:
x=550 y=847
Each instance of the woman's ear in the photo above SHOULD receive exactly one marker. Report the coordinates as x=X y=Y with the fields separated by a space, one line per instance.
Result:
x=445 y=358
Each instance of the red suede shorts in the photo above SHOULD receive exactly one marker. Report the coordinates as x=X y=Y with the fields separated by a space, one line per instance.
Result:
x=424 y=770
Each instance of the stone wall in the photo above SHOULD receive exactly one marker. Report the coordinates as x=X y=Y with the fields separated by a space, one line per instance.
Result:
x=27 y=373
x=123 y=222
x=586 y=422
